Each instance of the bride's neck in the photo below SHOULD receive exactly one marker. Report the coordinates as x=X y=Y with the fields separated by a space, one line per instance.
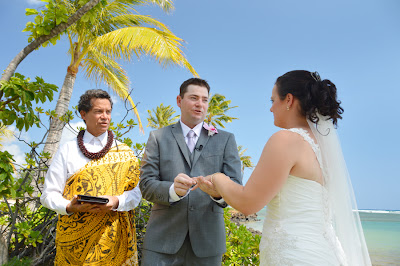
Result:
x=298 y=122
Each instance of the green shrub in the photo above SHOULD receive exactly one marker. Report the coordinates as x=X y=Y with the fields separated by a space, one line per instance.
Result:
x=18 y=262
x=142 y=215
x=242 y=247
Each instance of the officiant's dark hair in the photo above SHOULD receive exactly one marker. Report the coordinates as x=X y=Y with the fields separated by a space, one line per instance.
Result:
x=85 y=102
x=193 y=81
x=315 y=95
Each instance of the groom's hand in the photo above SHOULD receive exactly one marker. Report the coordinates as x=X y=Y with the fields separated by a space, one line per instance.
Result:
x=182 y=183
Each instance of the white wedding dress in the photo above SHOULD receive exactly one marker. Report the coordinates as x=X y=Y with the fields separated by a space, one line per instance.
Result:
x=298 y=228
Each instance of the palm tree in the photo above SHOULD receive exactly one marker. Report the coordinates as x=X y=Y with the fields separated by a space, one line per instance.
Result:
x=163 y=116
x=7 y=74
x=245 y=159
x=117 y=33
x=217 y=108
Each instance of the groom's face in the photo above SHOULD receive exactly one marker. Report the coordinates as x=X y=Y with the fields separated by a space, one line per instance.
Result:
x=194 y=105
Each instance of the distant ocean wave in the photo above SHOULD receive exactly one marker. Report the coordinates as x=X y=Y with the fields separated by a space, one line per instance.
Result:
x=380 y=211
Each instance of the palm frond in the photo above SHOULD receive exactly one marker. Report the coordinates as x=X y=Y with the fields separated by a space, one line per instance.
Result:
x=103 y=69
x=161 y=117
x=123 y=6
x=166 y=5
x=217 y=108
x=5 y=133
x=129 y=20
x=244 y=159
x=163 y=46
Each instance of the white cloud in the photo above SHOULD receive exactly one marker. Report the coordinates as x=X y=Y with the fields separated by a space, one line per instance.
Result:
x=115 y=99
x=34 y=2
x=23 y=135
x=14 y=146
x=15 y=150
x=69 y=133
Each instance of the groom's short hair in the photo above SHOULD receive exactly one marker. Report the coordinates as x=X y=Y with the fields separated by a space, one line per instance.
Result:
x=193 y=81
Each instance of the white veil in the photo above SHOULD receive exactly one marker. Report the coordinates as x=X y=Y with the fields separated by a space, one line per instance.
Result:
x=342 y=203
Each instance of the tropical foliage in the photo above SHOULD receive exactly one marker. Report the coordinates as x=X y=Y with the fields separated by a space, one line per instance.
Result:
x=161 y=117
x=17 y=97
x=17 y=217
x=242 y=246
x=49 y=25
x=245 y=159
x=45 y=20
x=217 y=108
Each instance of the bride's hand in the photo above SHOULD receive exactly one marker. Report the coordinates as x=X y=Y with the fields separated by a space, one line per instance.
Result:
x=204 y=183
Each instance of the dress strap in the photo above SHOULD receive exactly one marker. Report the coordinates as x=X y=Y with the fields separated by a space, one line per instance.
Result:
x=306 y=136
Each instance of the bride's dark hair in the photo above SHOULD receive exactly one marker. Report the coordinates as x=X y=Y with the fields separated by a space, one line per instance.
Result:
x=315 y=95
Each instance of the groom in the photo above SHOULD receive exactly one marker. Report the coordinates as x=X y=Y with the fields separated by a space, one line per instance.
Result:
x=186 y=227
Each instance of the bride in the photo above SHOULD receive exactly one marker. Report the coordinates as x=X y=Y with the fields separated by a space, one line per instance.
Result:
x=312 y=217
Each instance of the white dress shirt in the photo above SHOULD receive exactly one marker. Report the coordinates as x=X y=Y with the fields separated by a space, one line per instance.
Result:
x=67 y=161
x=173 y=197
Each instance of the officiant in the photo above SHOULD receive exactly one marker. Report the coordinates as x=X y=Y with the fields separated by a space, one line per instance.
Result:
x=94 y=164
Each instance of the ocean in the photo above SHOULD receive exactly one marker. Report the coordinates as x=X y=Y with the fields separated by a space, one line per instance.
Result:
x=381 y=230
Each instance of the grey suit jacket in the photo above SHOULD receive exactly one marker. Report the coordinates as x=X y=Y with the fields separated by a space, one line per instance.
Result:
x=166 y=156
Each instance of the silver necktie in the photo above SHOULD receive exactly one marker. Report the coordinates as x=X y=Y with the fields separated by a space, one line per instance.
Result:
x=190 y=143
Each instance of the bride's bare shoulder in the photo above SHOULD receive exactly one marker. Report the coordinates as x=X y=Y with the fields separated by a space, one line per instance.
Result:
x=285 y=136
x=284 y=141
x=281 y=147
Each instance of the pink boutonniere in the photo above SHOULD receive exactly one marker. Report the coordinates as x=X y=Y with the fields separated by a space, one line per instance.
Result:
x=211 y=129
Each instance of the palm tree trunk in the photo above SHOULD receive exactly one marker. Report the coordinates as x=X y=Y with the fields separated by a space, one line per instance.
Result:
x=56 y=126
x=42 y=39
x=3 y=251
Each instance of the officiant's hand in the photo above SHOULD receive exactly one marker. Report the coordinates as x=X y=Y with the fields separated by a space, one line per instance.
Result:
x=113 y=203
x=205 y=185
x=76 y=206
x=182 y=183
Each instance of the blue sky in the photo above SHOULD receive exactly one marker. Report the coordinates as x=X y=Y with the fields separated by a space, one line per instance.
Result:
x=240 y=48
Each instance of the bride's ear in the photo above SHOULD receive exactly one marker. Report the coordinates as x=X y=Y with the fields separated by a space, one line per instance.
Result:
x=289 y=99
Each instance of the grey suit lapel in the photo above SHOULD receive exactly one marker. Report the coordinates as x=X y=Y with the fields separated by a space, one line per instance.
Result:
x=202 y=141
x=177 y=132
